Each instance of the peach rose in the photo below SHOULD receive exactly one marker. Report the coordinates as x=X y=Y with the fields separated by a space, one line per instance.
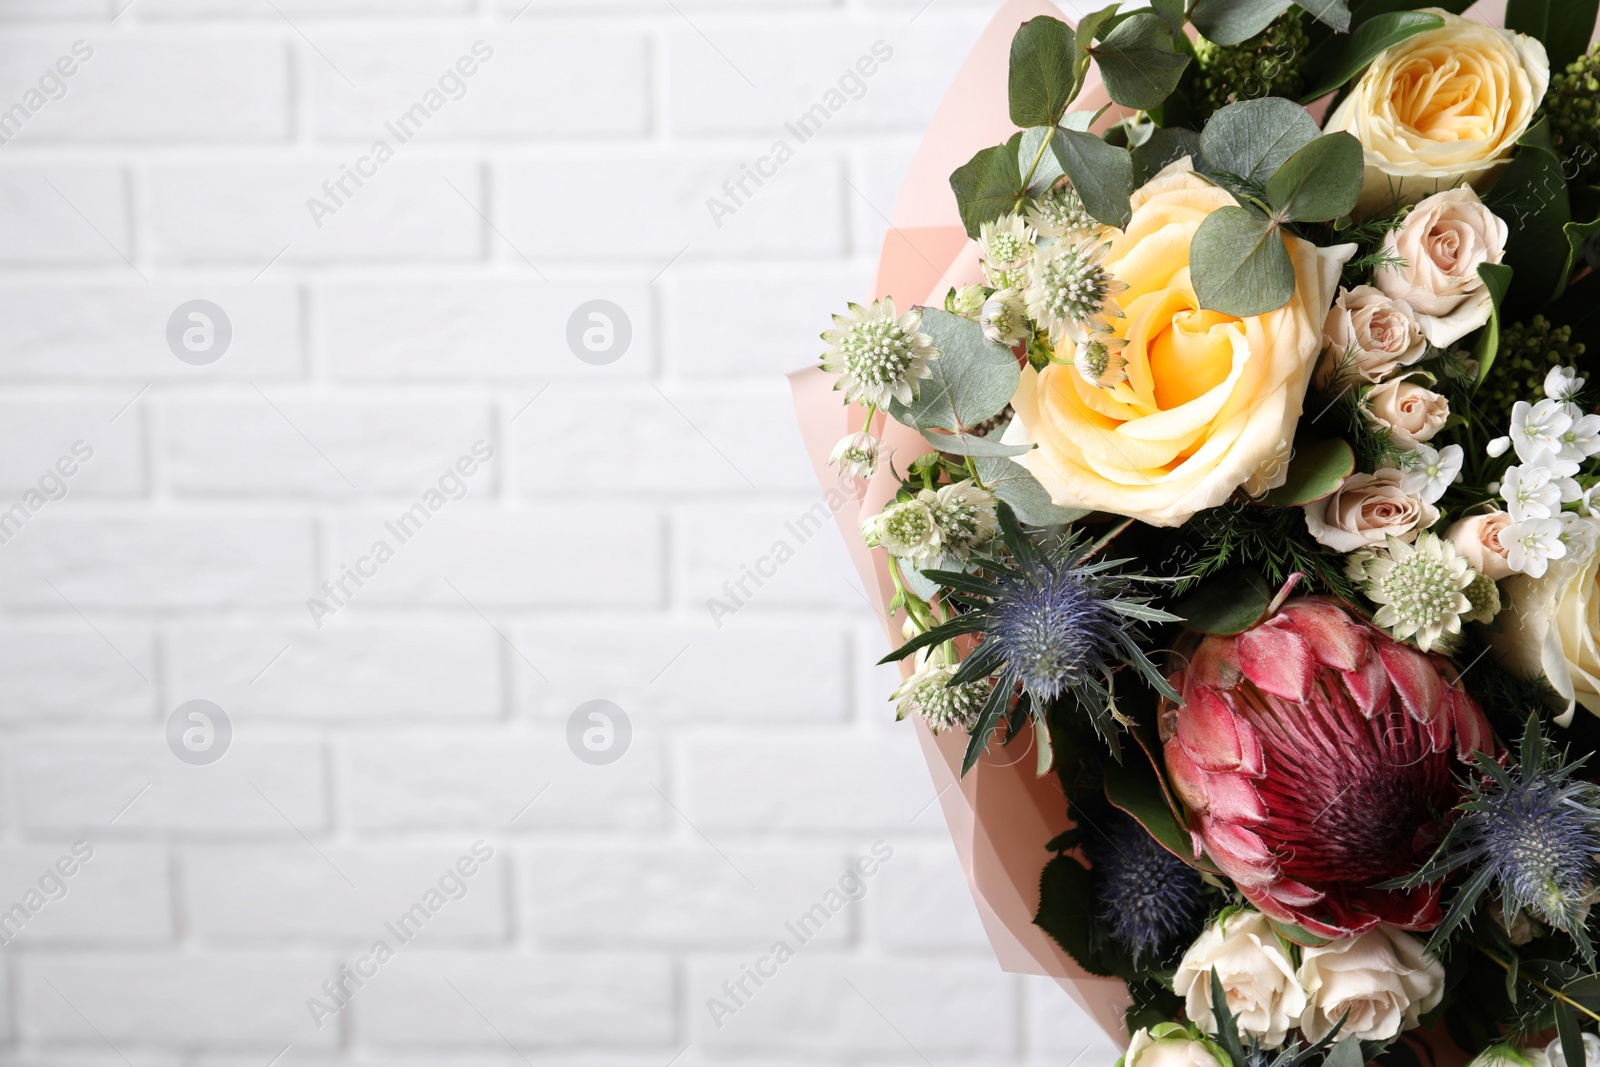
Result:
x=1366 y=510
x=1211 y=401
x=1477 y=538
x=1368 y=336
x=1442 y=107
x=1439 y=248
x=1411 y=413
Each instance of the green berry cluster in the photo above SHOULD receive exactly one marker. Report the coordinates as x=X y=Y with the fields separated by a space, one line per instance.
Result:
x=1272 y=63
x=1573 y=105
x=1527 y=352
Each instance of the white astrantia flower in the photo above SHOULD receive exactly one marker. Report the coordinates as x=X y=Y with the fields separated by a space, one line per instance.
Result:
x=928 y=693
x=1420 y=589
x=1563 y=383
x=1071 y=294
x=906 y=531
x=1005 y=247
x=879 y=356
x=966 y=301
x=1060 y=213
x=1100 y=361
x=1530 y=492
x=1538 y=427
x=856 y=455
x=1484 y=594
x=1532 y=543
x=1004 y=318
x=1432 y=471
x=964 y=514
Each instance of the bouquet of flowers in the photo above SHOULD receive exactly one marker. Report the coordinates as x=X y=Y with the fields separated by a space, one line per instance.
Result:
x=1236 y=471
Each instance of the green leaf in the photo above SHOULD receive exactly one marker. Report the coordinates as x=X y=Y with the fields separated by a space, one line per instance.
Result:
x=1136 y=788
x=1089 y=27
x=1253 y=138
x=1012 y=483
x=1171 y=12
x=1578 y=234
x=962 y=444
x=1239 y=265
x=1067 y=912
x=1570 y=1033
x=1101 y=173
x=1320 y=182
x=1138 y=62
x=1531 y=196
x=1232 y=21
x=1315 y=471
x=1347 y=1053
x=1299 y=935
x=1225 y=604
x=1034 y=151
x=1562 y=26
x=1342 y=58
x=988 y=186
x=1497 y=279
x=972 y=380
x=1041 y=82
x=1166 y=146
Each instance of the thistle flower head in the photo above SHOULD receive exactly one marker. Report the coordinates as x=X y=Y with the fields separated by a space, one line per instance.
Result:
x=1060 y=214
x=1151 y=902
x=879 y=356
x=1005 y=247
x=1050 y=627
x=1071 y=293
x=929 y=693
x=1420 y=589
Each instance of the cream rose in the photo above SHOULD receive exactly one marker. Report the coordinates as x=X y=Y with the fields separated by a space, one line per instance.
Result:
x=1477 y=538
x=1441 y=108
x=1368 y=336
x=1383 y=978
x=1210 y=399
x=1366 y=510
x=1257 y=975
x=1439 y=247
x=1553 y=625
x=1170 y=1045
x=1411 y=413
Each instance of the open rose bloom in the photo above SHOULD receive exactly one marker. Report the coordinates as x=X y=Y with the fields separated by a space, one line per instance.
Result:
x=1241 y=598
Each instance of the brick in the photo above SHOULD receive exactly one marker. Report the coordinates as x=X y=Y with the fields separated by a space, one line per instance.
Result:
x=104 y=332
x=499 y=781
x=597 y=555
x=808 y=783
x=661 y=896
x=455 y=331
x=920 y=900
x=279 y=445
x=796 y=667
x=741 y=306
x=36 y=448
x=117 y=896
x=543 y=1000
x=50 y=671
x=534 y=83
x=240 y=1000
x=647 y=440
x=344 y=671
x=83 y=782
x=248 y=213
x=82 y=220
x=144 y=89
x=117 y=561
x=762 y=557
x=668 y=215
x=274 y=892
x=899 y=1009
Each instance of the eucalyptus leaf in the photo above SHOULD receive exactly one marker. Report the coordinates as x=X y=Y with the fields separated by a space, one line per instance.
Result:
x=1101 y=173
x=1138 y=62
x=924 y=589
x=988 y=186
x=1315 y=471
x=1239 y=265
x=1253 y=138
x=1320 y=182
x=972 y=380
x=1011 y=482
x=1497 y=279
x=1171 y=12
x=1232 y=21
x=964 y=444
x=1034 y=151
x=1090 y=26
x=1041 y=81
x=1562 y=26
x=1224 y=604
x=1166 y=146
x=1342 y=58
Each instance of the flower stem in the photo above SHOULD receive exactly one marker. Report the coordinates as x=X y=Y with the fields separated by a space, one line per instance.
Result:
x=866 y=425
x=972 y=469
x=1536 y=983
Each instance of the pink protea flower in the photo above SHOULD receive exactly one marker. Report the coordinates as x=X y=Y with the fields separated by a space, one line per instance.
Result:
x=1316 y=756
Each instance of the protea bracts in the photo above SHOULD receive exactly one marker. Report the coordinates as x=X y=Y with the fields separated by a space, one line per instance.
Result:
x=1316 y=757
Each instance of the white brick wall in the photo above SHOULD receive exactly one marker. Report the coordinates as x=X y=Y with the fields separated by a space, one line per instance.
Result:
x=425 y=311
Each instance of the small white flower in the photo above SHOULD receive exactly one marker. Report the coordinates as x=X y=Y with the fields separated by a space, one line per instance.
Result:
x=1071 y=294
x=1060 y=213
x=1580 y=536
x=1590 y=501
x=1530 y=492
x=1420 y=589
x=1538 y=427
x=1101 y=362
x=1432 y=471
x=1497 y=447
x=1005 y=247
x=906 y=531
x=1563 y=383
x=856 y=455
x=1004 y=318
x=1582 y=438
x=879 y=356
x=1532 y=544
x=964 y=514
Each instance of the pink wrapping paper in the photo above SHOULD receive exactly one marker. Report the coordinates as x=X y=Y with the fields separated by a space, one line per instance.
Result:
x=1000 y=814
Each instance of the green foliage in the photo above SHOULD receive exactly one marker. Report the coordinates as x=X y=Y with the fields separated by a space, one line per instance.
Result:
x=1250 y=140
x=1274 y=541
x=1573 y=107
x=973 y=379
x=1138 y=61
x=1239 y=264
x=1531 y=196
x=1340 y=59
x=1316 y=470
x=1012 y=483
x=1562 y=26
x=1234 y=21
x=1272 y=63
x=1229 y=603
x=1042 y=81
x=988 y=186
x=1527 y=352
x=1497 y=280
x=1101 y=173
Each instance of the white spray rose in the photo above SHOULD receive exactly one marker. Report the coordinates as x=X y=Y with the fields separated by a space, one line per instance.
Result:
x=1171 y=1045
x=1383 y=978
x=1438 y=250
x=1257 y=975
